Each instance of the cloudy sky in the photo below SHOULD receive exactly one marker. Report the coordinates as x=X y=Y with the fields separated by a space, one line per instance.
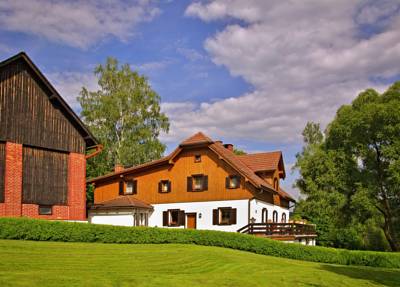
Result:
x=251 y=72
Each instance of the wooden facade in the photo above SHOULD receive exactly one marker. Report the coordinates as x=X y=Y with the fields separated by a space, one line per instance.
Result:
x=2 y=169
x=30 y=114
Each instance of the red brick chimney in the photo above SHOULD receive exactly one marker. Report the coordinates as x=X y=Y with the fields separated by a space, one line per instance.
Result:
x=118 y=167
x=229 y=146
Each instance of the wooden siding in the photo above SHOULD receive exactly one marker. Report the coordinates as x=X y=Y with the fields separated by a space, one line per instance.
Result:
x=45 y=176
x=147 y=182
x=2 y=169
x=28 y=116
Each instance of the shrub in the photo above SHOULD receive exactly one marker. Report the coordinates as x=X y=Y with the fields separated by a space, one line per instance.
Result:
x=42 y=230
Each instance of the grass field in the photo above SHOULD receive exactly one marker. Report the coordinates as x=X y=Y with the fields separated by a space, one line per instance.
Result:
x=28 y=263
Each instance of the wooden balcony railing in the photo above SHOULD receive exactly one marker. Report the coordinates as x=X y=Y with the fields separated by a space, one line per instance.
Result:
x=279 y=229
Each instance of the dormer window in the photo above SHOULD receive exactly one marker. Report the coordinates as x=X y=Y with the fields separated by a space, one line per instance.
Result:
x=232 y=182
x=131 y=187
x=197 y=182
x=197 y=158
x=164 y=186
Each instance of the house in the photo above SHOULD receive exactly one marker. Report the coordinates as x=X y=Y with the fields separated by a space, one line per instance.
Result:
x=202 y=184
x=42 y=147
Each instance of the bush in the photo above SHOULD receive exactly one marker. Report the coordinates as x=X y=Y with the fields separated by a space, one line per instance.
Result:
x=42 y=230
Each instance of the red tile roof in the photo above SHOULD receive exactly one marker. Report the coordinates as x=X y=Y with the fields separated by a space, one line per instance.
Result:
x=265 y=161
x=122 y=202
x=198 y=138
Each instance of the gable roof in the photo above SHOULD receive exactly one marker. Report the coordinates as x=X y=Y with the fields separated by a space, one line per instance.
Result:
x=225 y=154
x=265 y=161
x=71 y=116
x=122 y=202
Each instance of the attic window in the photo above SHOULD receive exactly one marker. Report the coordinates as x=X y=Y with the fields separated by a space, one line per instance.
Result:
x=232 y=182
x=197 y=158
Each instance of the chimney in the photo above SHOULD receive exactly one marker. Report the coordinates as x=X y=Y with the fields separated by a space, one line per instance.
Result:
x=229 y=146
x=118 y=167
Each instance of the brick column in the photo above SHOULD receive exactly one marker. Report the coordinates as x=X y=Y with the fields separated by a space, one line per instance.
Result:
x=77 y=186
x=13 y=180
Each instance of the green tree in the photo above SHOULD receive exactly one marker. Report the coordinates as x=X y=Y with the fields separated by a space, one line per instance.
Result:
x=237 y=151
x=125 y=116
x=351 y=178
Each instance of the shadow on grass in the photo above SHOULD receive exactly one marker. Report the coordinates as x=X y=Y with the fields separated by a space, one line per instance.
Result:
x=386 y=277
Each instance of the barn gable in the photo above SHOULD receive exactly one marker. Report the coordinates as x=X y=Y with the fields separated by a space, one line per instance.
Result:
x=33 y=113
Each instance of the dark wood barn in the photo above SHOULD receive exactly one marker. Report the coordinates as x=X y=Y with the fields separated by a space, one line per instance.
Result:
x=42 y=146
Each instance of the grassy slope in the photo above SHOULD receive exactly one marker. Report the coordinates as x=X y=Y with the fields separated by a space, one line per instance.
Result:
x=27 y=263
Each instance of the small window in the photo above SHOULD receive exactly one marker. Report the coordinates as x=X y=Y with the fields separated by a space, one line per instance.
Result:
x=45 y=210
x=232 y=182
x=164 y=186
x=264 y=215
x=131 y=187
x=197 y=182
x=197 y=158
x=275 y=216
x=173 y=217
x=224 y=216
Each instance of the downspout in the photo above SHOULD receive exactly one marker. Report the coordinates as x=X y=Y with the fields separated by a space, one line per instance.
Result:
x=98 y=150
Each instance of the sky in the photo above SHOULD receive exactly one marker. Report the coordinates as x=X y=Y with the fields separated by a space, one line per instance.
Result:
x=250 y=73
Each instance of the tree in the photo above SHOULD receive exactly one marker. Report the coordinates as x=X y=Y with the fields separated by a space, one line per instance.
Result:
x=125 y=116
x=358 y=165
x=237 y=151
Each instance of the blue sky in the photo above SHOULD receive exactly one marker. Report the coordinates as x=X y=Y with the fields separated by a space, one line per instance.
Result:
x=251 y=73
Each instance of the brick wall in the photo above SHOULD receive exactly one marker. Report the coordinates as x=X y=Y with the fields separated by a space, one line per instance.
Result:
x=12 y=206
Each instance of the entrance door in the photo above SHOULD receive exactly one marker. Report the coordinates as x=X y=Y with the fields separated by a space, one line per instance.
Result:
x=191 y=220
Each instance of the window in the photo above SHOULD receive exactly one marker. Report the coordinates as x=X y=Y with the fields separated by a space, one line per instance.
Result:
x=198 y=182
x=264 y=215
x=224 y=216
x=131 y=187
x=141 y=218
x=45 y=210
x=164 y=186
x=232 y=182
x=173 y=217
x=197 y=158
x=283 y=218
x=275 y=216
x=121 y=188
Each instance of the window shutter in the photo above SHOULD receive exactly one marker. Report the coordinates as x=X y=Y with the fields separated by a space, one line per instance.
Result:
x=121 y=188
x=169 y=186
x=134 y=187
x=215 y=216
x=232 y=219
x=227 y=182
x=165 y=218
x=181 y=218
x=160 y=186
x=205 y=182
x=189 y=183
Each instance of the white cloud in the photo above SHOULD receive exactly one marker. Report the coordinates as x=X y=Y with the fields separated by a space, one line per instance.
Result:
x=69 y=85
x=152 y=66
x=303 y=59
x=79 y=23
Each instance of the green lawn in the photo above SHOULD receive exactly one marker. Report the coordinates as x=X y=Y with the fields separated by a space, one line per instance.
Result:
x=28 y=263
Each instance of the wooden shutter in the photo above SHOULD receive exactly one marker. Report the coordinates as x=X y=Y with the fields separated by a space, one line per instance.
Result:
x=134 y=187
x=160 y=186
x=169 y=186
x=232 y=219
x=121 y=188
x=227 y=182
x=215 y=217
x=189 y=183
x=165 y=218
x=205 y=182
x=181 y=218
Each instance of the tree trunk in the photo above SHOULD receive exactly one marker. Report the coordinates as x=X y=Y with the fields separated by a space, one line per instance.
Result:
x=388 y=229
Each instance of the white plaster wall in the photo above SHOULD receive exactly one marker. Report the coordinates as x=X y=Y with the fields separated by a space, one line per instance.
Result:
x=206 y=210
x=112 y=219
x=256 y=207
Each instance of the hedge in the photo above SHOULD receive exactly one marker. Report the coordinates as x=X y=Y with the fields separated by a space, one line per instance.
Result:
x=42 y=230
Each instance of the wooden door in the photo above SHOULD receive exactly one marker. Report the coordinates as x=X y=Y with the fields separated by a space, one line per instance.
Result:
x=191 y=220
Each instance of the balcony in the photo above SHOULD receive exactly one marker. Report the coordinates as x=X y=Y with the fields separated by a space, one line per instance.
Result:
x=291 y=232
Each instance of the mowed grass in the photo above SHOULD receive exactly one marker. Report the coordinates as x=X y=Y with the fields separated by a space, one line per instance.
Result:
x=29 y=263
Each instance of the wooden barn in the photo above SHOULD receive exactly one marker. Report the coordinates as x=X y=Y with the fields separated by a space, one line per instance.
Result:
x=42 y=147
